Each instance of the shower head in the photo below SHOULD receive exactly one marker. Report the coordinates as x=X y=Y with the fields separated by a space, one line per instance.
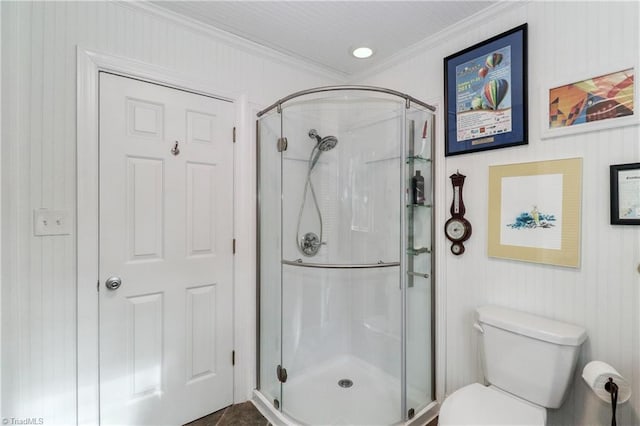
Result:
x=327 y=143
x=322 y=145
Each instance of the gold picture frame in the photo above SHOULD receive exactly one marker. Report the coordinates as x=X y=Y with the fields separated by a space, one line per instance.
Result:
x=534 y=211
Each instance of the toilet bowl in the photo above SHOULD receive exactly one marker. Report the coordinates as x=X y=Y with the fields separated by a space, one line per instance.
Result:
x=487 y=405
x=529 y=362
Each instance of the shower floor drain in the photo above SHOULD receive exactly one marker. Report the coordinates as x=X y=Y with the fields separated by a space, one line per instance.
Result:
x=345 y=383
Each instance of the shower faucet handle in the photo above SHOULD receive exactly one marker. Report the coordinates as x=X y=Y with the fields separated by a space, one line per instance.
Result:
x=310 y=244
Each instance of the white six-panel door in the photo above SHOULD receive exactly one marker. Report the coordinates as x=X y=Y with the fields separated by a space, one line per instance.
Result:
x=166 y=231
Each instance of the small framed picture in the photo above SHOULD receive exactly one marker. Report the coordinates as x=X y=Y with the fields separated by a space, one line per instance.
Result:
x=486 y=94
x=625 y=194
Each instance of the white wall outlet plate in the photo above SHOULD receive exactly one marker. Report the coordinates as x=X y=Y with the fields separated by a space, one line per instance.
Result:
x=51 y=222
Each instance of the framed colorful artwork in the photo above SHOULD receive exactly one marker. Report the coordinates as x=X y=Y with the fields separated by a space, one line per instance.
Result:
x=486 y=94
x=625 y=194
x=534 y=211
x=604 y=101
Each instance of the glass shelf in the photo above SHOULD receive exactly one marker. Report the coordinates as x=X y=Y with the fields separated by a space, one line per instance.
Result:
x=428 y=206
x=414 y=158
x=418 y=251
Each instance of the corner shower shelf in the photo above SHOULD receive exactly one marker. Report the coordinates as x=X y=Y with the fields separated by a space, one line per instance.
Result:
x=380 y=264
x=379 y=160
x=413 y=158
x=417 y=251
x=419 y=205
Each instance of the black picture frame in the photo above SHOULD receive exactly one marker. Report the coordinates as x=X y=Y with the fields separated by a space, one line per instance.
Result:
x=629 y=196
x=486 y=94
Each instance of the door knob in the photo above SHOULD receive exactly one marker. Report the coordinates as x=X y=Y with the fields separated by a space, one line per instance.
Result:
x=113 y=283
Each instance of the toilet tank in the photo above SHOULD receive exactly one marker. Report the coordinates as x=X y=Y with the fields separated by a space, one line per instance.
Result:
x=527 y=355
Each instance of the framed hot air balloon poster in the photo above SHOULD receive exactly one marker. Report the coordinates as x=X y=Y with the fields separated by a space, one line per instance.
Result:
x=596 y=103
x=486 y=94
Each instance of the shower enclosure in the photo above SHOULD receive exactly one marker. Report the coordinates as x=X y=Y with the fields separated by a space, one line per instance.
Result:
x=345 y=287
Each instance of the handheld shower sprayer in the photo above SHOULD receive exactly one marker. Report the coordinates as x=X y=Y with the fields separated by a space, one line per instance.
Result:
x=310 y=244
x=322 y=145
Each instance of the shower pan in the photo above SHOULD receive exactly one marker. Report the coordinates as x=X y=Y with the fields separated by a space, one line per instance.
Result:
x=345 y=287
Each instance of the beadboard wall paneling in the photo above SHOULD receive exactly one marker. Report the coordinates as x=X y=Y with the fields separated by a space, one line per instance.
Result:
x=38 y=167
x=603 y=293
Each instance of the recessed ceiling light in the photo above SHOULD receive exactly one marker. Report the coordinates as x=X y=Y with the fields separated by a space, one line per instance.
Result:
x=362 y=52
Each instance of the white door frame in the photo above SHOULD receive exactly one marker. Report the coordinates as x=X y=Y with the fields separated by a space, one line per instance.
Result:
x=89 y=65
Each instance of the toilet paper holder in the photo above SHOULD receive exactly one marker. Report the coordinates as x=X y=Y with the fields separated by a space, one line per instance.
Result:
x=612 y=388
x=607 y=383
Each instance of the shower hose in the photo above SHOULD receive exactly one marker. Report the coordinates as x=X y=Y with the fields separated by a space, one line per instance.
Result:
x=308 y=186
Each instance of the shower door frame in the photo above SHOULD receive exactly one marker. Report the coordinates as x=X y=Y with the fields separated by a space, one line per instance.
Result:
x=258 y=257
x=403 y=242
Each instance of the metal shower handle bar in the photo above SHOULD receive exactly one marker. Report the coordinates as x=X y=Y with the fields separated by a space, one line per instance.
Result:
x=418 y=274
x=406 y=97
x=380 y=264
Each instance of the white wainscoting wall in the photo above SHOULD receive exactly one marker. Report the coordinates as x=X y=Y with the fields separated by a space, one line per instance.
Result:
x=568 y=41
x=38 y=171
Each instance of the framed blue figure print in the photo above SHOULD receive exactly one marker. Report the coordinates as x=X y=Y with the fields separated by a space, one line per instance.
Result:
x=535 y=212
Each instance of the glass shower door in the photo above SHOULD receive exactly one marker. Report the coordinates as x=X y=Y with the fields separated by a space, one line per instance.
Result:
x=419 y=294
x=341 y=307
x=314 y=300
x=270 y=244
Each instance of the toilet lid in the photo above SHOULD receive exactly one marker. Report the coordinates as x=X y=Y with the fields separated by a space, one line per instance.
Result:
x=481 y=405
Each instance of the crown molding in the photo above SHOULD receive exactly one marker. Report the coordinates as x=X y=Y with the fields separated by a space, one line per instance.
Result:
x=286 y=58
x=420 y=47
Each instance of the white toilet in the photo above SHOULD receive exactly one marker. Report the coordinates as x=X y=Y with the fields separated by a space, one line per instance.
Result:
x=529 y=362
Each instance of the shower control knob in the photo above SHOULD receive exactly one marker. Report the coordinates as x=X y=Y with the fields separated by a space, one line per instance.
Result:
x=310 y=244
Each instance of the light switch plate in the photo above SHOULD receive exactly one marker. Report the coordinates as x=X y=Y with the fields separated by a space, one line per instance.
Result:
x=51 y=222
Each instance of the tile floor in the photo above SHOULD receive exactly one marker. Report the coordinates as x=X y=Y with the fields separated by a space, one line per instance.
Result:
x=244 y=414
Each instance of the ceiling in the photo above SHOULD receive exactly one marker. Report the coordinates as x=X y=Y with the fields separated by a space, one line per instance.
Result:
x=325 y=32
